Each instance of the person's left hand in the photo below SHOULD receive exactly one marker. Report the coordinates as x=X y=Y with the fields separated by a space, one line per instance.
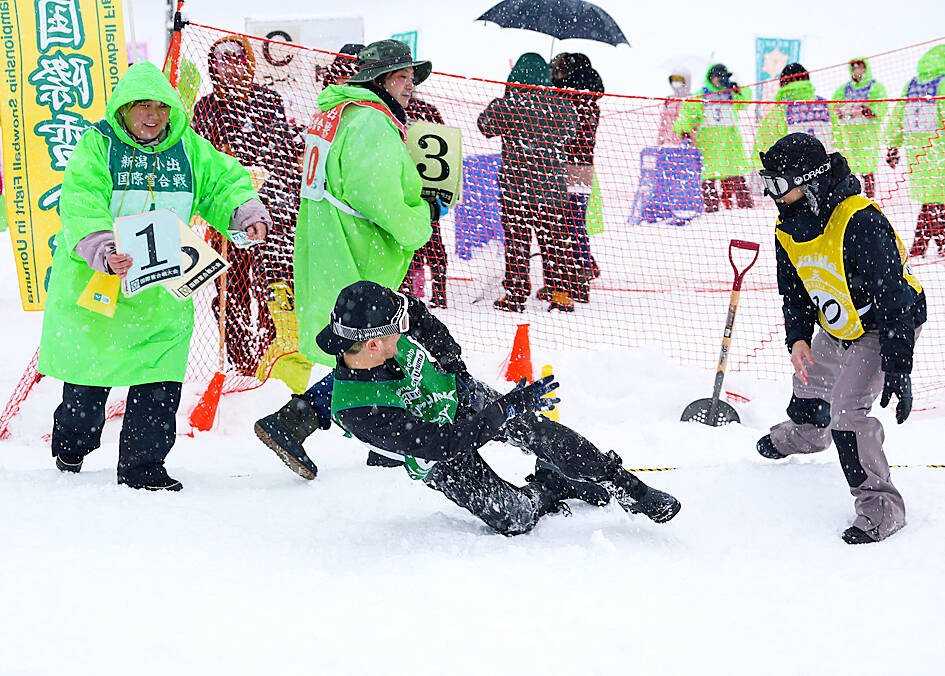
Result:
x=899 y=384
x=257 y=231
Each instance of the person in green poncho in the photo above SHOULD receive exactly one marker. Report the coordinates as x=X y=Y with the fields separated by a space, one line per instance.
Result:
x=918 y=124
x=141 y=156
x=859 y=122
x=361 y=218
x=798 y=110
x=713 y=123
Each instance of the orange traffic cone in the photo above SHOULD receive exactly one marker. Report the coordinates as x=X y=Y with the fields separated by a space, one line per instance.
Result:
x=520 y=361
x=205 y=412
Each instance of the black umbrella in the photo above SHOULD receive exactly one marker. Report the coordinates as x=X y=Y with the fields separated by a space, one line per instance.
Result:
x=561 y=19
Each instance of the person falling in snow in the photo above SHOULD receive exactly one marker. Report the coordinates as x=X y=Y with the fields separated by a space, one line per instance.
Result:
x=433 y=416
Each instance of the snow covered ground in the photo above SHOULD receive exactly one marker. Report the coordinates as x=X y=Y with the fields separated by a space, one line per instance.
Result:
x=252 y=570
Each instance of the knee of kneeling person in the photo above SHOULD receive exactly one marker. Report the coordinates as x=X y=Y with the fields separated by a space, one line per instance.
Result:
x=812 y=411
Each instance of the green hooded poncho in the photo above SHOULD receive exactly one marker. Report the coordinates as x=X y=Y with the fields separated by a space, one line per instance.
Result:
x=920 y=127
x=714 y=121
x=368 y=168
x=774 y=125
x=148 y=338
x=859 y=136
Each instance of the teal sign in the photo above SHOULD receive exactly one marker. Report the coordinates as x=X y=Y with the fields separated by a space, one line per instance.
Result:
x=771 y=56
x=409 y=39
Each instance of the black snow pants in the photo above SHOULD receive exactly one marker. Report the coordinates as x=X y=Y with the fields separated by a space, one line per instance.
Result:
x=468 y=481
x=148 y=430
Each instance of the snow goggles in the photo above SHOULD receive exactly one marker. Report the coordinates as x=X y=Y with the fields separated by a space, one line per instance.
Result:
x=399 y=323
x=778 y=185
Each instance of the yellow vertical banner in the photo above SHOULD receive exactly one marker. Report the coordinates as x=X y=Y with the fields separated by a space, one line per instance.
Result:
x=61 y=60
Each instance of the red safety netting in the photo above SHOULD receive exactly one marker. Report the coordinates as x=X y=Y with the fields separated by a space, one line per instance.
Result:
x=616 y=211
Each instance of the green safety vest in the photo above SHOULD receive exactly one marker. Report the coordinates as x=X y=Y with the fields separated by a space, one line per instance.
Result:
x=424 y=392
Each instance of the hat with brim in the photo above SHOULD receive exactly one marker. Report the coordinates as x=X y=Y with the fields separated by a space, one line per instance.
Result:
x=363 y=310
x=388 y=56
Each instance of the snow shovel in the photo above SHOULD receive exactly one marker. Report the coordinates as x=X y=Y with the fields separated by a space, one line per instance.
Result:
x=713 y=411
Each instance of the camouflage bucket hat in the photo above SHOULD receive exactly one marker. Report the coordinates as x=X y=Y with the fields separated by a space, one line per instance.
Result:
x=387 y=56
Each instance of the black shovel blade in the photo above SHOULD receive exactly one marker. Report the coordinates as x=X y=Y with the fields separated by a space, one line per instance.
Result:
x=698 y=411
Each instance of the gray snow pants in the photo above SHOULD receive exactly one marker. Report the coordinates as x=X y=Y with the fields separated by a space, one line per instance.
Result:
x=834 y=405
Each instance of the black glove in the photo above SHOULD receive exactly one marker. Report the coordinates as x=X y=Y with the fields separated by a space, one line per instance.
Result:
x=899 y=384
x=892 y=157
x=526 y=398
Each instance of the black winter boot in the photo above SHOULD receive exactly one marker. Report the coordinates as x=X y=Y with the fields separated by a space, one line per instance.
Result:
x=857 y=536
x=636 y=497
x=284 y=432
x=152 y=478
x=566 y=488
x=69 y=462
x=378 y=460
x=765 y=447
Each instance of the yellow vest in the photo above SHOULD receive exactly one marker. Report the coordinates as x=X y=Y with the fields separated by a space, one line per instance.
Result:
x=819 y=264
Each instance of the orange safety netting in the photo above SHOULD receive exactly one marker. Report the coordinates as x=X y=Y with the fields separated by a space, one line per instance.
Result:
x=616 y=210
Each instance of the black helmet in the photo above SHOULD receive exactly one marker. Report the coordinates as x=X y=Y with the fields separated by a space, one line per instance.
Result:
x=792 y=72
x=794 y=160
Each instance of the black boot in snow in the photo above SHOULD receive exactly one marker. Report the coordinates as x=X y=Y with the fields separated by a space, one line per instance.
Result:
x=566 y=488
x=285 y=430
x=857 y=536
x=765 y=447
x=69 y=462
x=636 y=497
x=151 y=479
x=378 y=460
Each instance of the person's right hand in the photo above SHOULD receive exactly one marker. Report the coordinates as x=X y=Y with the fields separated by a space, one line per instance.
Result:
x=892 y=157
x=120 y=264
x=800 y=357
x=526 y=398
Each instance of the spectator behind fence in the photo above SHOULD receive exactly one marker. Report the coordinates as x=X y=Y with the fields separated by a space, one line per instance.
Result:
x=800 y=110
x=343 y=66
x=714 y=122
x=363 y=220
x=535 y=125
x=919 y=125
x=146 y=343
x=860 y=121
x=574 y=72
x=248 y=121
x=680 y=84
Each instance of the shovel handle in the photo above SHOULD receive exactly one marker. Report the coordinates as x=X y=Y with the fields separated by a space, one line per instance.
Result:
x=740 y=275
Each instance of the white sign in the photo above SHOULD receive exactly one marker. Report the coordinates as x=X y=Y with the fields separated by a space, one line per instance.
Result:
x=202 y=264
x=437 y=150
x=153 y=241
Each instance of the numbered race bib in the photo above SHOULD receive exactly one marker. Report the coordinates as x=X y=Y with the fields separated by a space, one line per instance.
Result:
x=202 y=264
x=318 y=140
x=153 y=241
x=437 y=151
x=718 y=114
